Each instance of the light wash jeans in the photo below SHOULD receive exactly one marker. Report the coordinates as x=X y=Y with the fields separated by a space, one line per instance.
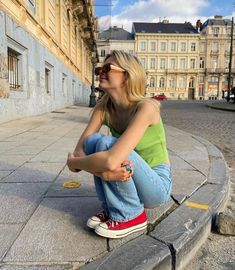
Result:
x=147 y=188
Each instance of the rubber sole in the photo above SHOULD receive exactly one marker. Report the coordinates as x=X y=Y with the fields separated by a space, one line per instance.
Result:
x=120 y=233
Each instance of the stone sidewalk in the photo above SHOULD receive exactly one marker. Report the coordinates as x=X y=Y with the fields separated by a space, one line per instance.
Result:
x=43 y=225
x=222 y=105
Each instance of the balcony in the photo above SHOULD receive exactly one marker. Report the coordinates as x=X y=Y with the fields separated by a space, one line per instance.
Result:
x=216 y=70
x=214 y=52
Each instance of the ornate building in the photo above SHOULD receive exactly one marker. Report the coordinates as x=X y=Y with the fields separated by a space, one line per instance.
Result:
x=46 y=54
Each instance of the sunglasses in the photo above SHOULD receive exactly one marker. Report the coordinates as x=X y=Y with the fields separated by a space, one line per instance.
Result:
x=106 y=68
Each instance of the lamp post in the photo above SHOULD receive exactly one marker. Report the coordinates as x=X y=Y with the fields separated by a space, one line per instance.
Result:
x=230 y=62
x=92 y=102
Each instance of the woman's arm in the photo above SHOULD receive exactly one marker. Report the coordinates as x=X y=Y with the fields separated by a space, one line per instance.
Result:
x=93 y=126
x=146 y=115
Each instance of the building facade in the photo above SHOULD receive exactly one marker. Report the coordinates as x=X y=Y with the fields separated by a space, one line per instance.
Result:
x=46 y=54
x=181 y=61
x=169 y=53
x=214 y=57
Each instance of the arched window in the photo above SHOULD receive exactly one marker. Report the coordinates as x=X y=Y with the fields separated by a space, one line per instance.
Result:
x=152 y=82
x=162 y=82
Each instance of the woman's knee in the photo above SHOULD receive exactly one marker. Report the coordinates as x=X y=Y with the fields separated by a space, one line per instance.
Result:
x=105 y=143
x=90 y=143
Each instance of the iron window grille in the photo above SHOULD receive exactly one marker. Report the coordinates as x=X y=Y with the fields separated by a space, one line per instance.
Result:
x=13 y=68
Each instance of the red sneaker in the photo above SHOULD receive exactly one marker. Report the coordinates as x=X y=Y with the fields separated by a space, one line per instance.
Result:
x=118 y=229
x=100 y=217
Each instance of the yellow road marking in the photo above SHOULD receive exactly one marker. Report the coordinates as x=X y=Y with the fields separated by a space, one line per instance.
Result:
x=197 y=205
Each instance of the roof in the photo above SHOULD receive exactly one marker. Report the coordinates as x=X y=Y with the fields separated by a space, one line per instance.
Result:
x=164 y=28
x=115 y=33
x=216 y=22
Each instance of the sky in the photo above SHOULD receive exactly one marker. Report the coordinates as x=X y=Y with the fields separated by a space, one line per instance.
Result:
x=123 y=12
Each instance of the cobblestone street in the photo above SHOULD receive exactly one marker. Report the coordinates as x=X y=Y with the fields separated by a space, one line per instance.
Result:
x=218 y=127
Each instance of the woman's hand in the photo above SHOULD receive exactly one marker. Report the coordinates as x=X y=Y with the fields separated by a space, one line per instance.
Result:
x=121 y=173
x=70 y=160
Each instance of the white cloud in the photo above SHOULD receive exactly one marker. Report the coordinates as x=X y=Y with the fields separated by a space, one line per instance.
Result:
x=153 y=10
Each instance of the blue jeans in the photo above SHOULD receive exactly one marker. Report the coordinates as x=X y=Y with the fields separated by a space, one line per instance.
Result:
x=147 y=188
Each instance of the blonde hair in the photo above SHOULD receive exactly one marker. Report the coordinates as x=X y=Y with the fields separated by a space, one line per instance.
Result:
x=135 y=83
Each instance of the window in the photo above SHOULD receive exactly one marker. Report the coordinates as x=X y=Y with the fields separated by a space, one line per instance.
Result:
x=48 y=77
x=191 y=82
x=202 y=62
x=172 y=63
x=203 y=47
x=214 y=61
x=162 y=82
x=227 y=62
x=14 y=72
x=171 y=83
x=32 y=5
x=214 y=79
x=102 y=54
x=201 y=79
x=143 y=46
x=182 y=83
x=173 y=46
x=215 y=47
x=192 y=63
x=152 y=82
x=193 y=47
x=152 y=63
x=143 y=62
x=162 y=63
x=182 y=63
x=153 y=46
x=163 y=46
x=64 y=84
x=183 y=46
x=216 y=31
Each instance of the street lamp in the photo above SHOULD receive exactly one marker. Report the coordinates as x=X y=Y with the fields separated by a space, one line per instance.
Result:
x=230 y=62
x=92 y=102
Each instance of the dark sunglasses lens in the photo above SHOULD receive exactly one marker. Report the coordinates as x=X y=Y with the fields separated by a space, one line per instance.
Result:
x=106 y=68
x=98 y=71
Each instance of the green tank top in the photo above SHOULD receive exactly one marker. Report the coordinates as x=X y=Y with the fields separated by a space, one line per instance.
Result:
x=152 y=146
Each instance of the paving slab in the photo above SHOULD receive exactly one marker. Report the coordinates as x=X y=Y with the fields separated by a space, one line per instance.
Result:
x=184 y=230
x=8 y=163
x=179 y=164
x=213 y=195
x=8 y=233
x=56 y=233
x=87 y=187
x=35 y=172
x=141 y=253
x=5 y=173
x=49 y=156
x=35 y=267
x=19 y=200
x=191 y=182
x=23 y=150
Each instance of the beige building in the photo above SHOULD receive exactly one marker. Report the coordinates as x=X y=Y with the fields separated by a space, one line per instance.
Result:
x=46 y=53
x=169 y=53
x=215 y=36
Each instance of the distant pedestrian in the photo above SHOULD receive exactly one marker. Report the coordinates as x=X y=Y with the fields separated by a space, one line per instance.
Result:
x=131 y=168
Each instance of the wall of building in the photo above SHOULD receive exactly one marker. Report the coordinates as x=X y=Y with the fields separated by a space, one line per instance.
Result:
x=41 y=47
x=32 y=98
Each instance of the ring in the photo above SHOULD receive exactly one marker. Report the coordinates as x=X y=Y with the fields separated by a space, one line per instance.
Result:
x=128 y=168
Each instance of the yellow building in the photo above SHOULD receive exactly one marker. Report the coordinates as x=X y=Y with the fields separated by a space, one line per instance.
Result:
x=169 y=53
x=46 y=53
x=215 y=39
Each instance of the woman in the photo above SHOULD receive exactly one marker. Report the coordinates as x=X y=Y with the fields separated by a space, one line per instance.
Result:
x=131 y=168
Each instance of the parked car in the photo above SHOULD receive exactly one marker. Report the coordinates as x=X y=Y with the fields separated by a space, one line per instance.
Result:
x=160 y=97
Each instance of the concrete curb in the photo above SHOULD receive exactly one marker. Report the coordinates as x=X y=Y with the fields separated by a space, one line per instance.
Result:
x=173 y=242
x=223 y=107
